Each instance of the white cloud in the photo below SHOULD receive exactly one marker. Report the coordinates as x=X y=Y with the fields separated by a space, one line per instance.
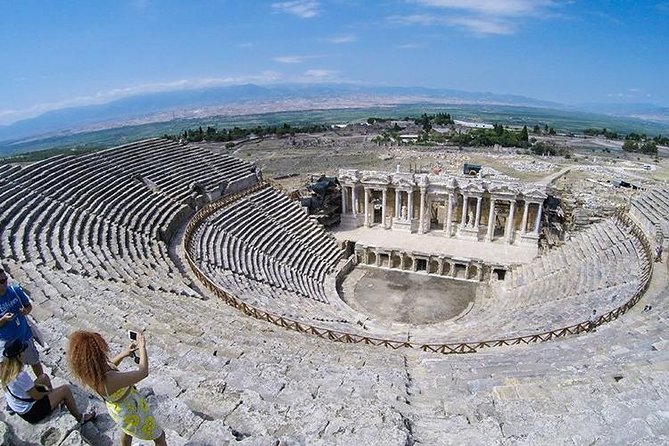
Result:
x=410 y=46
x=288 y=59
x=414 y=19
x=482 y=25
x=479 y=17
x=506 y=8
x=343 y=39
x=320 y=74
x=304 y=9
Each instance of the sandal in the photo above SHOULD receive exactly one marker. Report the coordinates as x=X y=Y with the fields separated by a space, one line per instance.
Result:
x=88 y=416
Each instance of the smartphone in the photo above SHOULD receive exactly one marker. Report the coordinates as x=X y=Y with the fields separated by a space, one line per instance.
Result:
x=41 y=388
x=132 y=335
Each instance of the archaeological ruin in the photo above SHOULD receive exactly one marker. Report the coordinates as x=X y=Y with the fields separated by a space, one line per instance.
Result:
x=265 y=328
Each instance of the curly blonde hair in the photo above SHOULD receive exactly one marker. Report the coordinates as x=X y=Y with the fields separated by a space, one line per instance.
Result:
x=88 y=358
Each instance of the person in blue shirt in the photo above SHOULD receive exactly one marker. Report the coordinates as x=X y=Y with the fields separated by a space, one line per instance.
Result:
x=14 y=307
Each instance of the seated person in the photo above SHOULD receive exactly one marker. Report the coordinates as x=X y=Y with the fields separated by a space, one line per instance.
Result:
x=33 y=400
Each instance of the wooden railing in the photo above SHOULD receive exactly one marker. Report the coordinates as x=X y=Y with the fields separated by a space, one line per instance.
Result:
x=445 y=348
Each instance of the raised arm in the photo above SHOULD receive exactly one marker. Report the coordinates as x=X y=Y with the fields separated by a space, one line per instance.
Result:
x=117 y=380
x=127 y=352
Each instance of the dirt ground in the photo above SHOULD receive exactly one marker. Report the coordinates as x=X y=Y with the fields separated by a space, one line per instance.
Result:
x=412 y=298
x=594 y=163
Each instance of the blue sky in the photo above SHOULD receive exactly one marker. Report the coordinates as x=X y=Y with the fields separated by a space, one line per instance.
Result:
x=64 y=53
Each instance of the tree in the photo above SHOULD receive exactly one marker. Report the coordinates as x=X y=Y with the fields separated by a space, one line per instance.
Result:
x=523 y=134
x=630 y=146
x=536 y=130
x=649 y=148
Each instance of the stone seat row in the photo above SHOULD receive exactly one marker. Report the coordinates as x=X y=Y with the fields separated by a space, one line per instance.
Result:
x=280 y=223
x=284 y=303
x=275 y=242
x=51 y=232
x=595 y=244
x=652 y=211
x=173 y=167
x=229 y=252
x=86 y=215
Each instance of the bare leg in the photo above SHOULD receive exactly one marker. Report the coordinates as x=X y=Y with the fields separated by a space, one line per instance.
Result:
x=126 y=440
x=160 y=441
x=64 y=394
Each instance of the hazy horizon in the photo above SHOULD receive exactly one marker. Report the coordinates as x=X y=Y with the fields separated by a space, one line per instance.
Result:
x=60 y=55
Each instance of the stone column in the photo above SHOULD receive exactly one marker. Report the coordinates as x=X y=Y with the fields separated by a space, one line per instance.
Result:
x=491 y=221
x=421 y=215
x=508 y=233
x=354 y=200
x=398 y=203
x=478 y=212
x=463 y=220
x=537 y=223
x=383 y=206
x=343 y=199
x=366 y=208
x=524 y=222
x=449 y=215
x=410 y=205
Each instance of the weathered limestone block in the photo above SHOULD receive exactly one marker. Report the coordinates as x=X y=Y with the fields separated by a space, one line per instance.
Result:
x=75 y=439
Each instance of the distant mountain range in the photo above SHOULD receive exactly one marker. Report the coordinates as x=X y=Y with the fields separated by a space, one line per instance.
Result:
x=645 y=112
x=250 y=98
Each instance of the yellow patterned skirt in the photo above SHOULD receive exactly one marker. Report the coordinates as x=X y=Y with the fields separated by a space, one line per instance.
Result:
x=133 y=415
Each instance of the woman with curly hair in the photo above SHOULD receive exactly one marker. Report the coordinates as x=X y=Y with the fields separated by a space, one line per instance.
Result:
x=33 y=400
x=88 y=356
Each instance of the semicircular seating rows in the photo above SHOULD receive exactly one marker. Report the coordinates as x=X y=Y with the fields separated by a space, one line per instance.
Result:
x=651 y=210
x=264 y=250
x=91 y=249
x=109 y=214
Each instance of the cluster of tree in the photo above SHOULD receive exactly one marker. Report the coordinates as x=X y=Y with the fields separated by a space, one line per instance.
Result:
x=659 y=139
x=639 y=138
x=372 y=120
x=489 y=137
x=600 y=132
x=426 y=121
x=545 y=131
x=648 y=147
x=237 y=133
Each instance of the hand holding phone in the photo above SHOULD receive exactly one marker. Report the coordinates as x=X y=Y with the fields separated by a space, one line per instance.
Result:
x=42 y=388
